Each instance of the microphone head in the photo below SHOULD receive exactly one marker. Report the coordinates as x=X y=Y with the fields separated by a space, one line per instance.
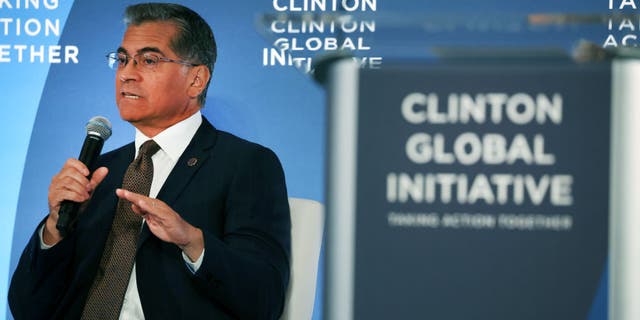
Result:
x=99 y=126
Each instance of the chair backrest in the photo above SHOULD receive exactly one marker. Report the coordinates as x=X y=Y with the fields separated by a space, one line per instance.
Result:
x=307 y=225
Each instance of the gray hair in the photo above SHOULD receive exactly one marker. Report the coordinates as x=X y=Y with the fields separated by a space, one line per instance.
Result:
x=194 y=41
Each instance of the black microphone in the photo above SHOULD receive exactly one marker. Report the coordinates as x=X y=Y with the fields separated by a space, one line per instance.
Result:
x=98 y=130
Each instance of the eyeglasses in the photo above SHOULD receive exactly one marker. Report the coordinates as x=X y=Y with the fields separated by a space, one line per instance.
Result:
x=149 y=61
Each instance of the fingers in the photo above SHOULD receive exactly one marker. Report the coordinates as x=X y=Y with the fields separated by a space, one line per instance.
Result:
x=154 y=211
x=130 y=196
x=74 y=172
x=60 y=195
x=146 y=208
x=97 y=177
x=78 y=165
x=163 y=222
x=70 y=183
x=142 y=205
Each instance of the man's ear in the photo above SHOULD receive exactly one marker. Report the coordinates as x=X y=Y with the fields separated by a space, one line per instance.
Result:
x=199 y=78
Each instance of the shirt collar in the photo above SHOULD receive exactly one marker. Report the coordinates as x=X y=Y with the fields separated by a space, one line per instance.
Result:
x=175 y=139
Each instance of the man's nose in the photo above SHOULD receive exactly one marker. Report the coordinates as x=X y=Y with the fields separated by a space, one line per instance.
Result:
x=129 y=72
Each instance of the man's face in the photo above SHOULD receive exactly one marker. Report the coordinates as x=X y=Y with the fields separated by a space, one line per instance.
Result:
x=153 y=99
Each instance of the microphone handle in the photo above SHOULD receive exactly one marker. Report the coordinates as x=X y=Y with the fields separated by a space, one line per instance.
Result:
x=68 y=213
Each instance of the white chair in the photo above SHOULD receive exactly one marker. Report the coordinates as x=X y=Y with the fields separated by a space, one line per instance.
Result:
x=307 y=225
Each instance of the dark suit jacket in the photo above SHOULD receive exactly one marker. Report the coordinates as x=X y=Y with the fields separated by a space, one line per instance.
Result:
x=235 y=193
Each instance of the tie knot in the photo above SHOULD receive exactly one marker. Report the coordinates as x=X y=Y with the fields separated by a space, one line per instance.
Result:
x=149 y=148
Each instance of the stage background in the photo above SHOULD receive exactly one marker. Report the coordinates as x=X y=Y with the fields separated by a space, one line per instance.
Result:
x=45 y=103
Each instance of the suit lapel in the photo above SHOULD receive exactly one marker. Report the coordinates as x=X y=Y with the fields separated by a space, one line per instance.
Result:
x=193 y=157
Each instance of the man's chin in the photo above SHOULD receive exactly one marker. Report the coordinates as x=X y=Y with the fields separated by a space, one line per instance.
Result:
x=129 y=113
x=131 y=118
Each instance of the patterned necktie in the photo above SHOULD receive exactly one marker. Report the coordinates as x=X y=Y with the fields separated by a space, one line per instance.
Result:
x=107 y=292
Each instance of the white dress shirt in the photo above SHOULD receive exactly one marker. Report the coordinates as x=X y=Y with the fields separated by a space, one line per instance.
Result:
x=172 y=141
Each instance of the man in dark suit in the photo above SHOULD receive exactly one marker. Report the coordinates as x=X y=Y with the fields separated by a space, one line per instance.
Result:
x=213 y=239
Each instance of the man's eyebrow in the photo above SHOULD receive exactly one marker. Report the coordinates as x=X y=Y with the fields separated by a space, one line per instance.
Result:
x=143 y=50
x=150 y=49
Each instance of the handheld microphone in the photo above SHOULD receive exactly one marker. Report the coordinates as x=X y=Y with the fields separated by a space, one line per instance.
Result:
x=98 y=131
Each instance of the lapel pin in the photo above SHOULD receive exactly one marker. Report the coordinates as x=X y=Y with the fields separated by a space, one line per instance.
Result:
x=192 y=162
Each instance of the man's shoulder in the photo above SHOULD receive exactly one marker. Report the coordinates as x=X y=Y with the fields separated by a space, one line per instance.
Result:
x=231 y=141
x=240 y=148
